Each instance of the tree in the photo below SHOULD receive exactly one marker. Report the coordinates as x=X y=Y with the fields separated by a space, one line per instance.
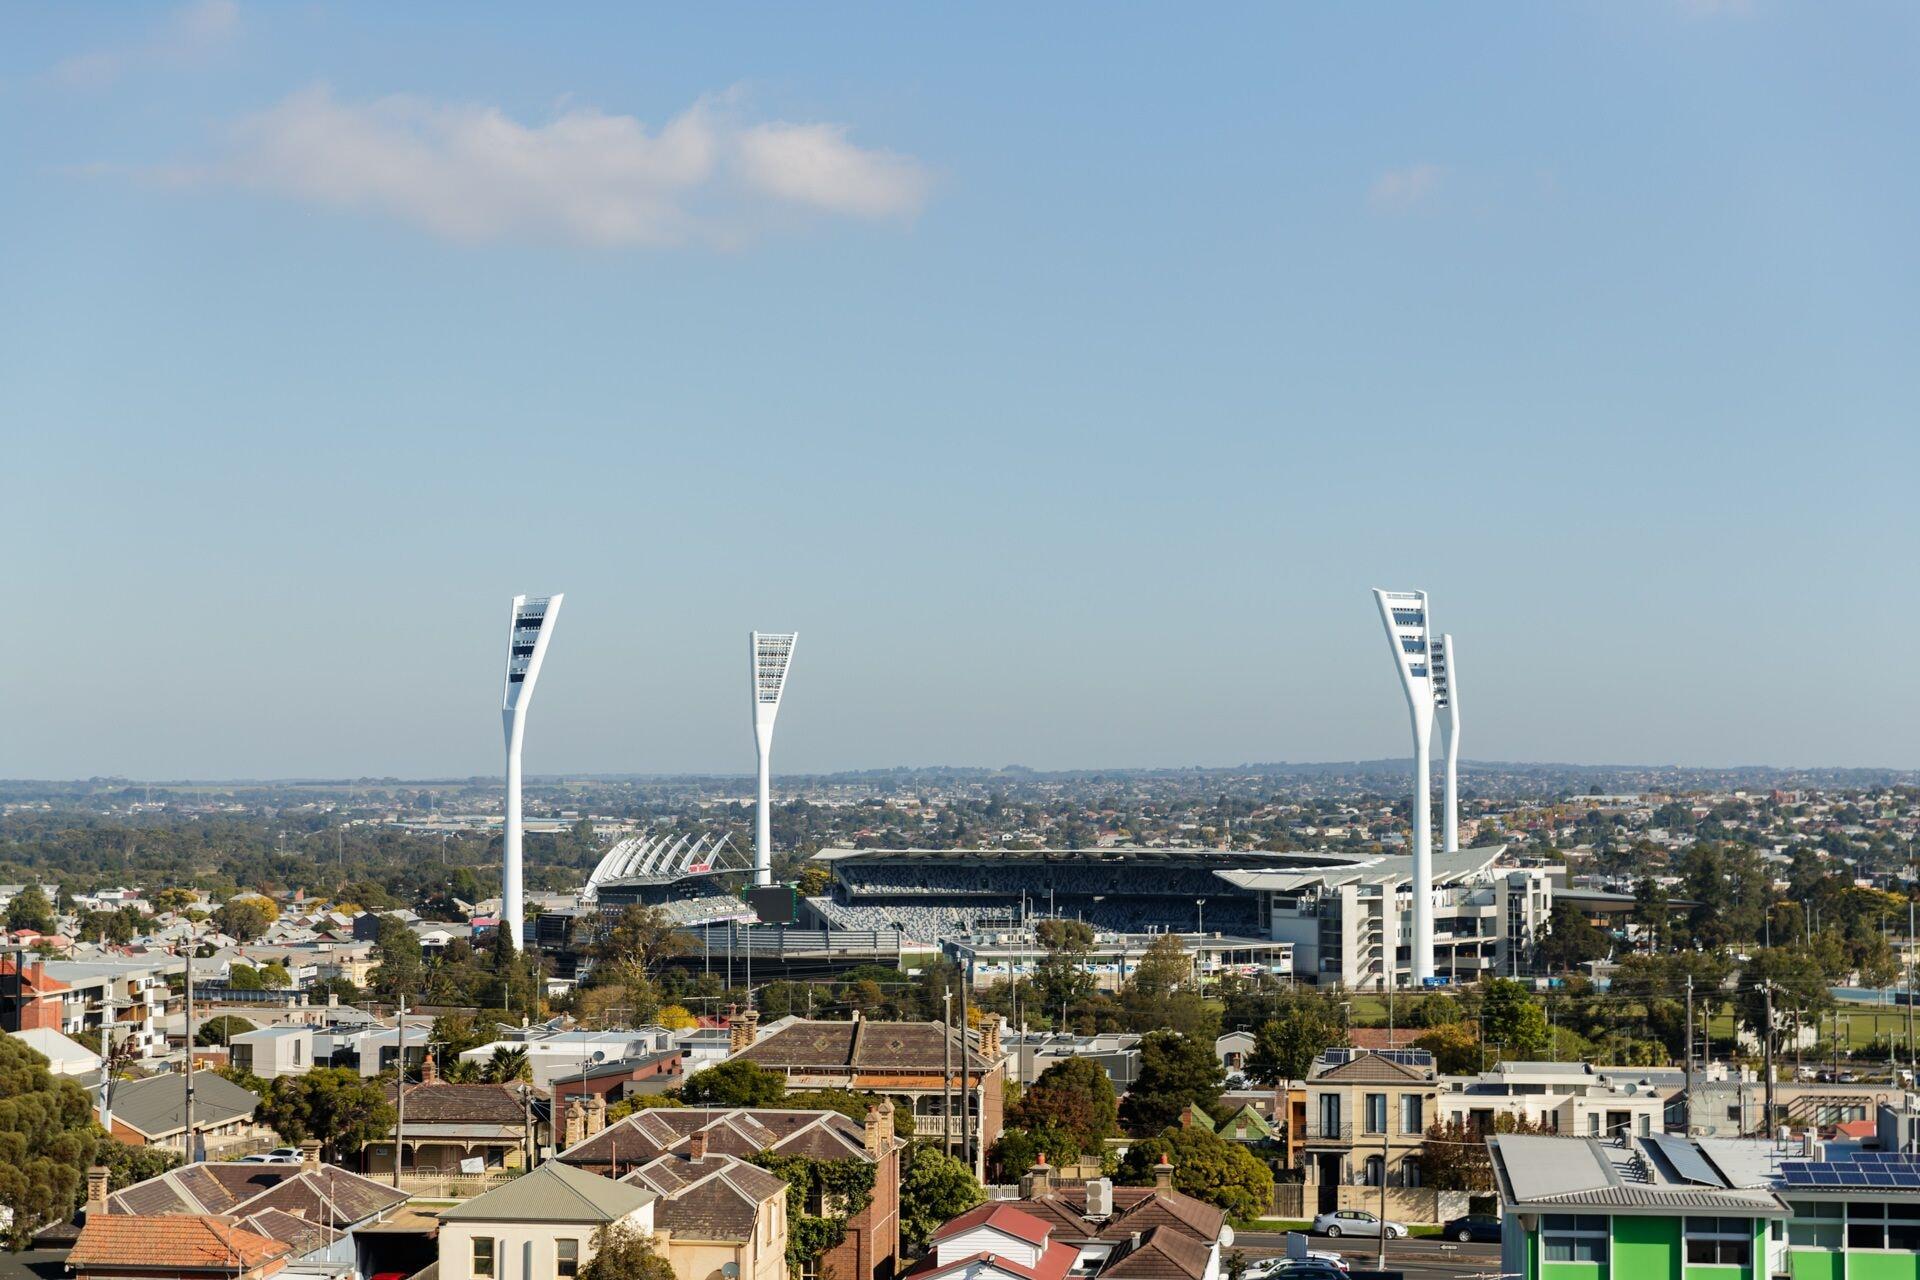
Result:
x=29 y=909
x=508 y=1064
x=737 y=1082
x=1513 y=1019
x=1455 y=1048
x=1018 y=1150
x=243 y=918
x=1572 y=940
x=1073 y=1098
x=676 y=1017
x=221 y=1030
x=935 y=1189
x=621 y=1252
x=127 y=1165
x=645 y=936
x=1454 y=1156
x=47 y=1139
x=402 y=971
x=1062 y=980
x=332 y=1105
x=1206 y=1167
x=1175 y=1071
x=1799 y=987
x=1284 y=1049
x=1164 y=968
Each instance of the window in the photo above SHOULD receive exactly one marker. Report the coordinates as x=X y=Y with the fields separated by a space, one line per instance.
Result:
x=1412 y=1113
x=1566 y=1237
x=1727 y=1242
x=1376 y=1113
x=483 y=1255
x=1881 y=1226
x=567 y=1257
x=1593 y=1123
x=1329 y=1115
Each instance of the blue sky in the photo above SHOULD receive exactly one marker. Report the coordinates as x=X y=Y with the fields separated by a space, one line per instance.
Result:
x=1065 y=378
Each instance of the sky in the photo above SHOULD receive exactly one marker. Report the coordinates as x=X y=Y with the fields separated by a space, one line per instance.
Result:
x=1065 y=376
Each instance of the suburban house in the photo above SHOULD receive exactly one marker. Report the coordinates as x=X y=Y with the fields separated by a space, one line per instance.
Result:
x=273 y=1051
x=1367 y=1117
x=716 y=1214
x=1167 y=1233
x=1571 y=1098
x=538 y=1225
x=871 y=1247
x=153 y=1112
x=996 y=1242
x=312 y=1208
x=65 y=1056
x=907 y=1061
x=449 y=1126
x=179 y=1247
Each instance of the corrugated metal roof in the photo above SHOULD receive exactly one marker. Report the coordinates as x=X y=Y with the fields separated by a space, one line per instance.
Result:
x=554 y=1192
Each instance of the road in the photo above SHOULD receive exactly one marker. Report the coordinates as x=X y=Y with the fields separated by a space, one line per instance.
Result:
x=1422 y=1258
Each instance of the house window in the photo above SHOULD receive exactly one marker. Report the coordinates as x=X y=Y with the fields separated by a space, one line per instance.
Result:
x=1376 y=1171
x=1329 y=1115
x=567 y=1257
x=1882 y=1226
x=483 y=1255
x=1376 y=1113
x=1413 y=1113
x=1566 y=1237
x=1722 y=1241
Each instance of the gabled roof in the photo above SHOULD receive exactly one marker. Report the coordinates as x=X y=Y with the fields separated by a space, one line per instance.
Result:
x=865 y=1045
x=1247 y=1117
x=1371 y=1068
x=1134 y=1209
x=327 y=1196
x=554 y=1192
x=714 y=1198
x=442 y=1103
x=1001 y=1217
x=156 y=1107
x=189 y=1243
x=1162 y=1254
x=735 y=1131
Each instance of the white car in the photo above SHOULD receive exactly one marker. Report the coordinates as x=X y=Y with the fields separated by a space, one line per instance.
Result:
x=279 y=1155
x=1356 y=1222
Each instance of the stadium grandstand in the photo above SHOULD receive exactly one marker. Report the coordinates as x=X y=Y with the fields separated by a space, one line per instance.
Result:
x=931 y=894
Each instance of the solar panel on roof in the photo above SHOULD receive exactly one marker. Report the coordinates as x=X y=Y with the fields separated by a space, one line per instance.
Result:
x=1687 y=1160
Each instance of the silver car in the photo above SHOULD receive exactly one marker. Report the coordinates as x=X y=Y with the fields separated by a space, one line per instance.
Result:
x=1355 y=1222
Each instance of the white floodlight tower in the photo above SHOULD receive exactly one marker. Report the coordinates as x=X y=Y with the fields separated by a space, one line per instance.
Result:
x=1446 y=701
x=1404 y=613
x=772 y=653
x=529 y=625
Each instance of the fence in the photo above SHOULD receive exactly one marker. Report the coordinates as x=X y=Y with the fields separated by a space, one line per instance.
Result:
x=435 y=1185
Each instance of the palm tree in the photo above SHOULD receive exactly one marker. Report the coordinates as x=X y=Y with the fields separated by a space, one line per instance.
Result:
x=508 y=1065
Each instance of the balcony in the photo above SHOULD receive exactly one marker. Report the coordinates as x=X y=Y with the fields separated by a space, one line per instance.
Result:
x=1319 y=1131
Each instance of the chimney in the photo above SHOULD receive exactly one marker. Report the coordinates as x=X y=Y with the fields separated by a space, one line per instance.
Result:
x=596 y=1113
x=990 y=1040
x=575 y=1131
x=1039 y=1180
x=310 y=1154
x=429 y=1069
x=741 y=1031
x=879 y=1126
x=1163 y=1176
x=97 y=1180
x=697 y=1145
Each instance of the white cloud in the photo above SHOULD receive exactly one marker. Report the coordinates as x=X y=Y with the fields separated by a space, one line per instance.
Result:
x=472 y=173
x=188 y=34
x=1398 y=190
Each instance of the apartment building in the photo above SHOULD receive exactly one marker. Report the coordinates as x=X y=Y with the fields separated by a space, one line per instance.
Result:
x=1573 y=1098
x=1367 y=1117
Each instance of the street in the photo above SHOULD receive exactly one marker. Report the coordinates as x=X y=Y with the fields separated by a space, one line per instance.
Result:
x=1422 y=1258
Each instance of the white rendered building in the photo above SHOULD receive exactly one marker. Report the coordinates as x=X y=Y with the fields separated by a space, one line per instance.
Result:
x=1404 y=614
x=529 y=626
x=772 y=654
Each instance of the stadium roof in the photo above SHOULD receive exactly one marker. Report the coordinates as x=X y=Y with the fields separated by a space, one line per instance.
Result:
x=1264 y=861
x=1448 y=868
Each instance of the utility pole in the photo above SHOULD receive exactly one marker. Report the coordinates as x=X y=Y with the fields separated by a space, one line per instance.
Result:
x=400 y=1090
x=1913 y=1060
x=1381 y=1262
x=1688 y=1094
x=946 y=1072
x=188 y=1115
x=966 y=1101
x=1766 y=1032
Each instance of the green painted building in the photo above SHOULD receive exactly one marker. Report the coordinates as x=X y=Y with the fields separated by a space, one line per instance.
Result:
x=1662 y=1207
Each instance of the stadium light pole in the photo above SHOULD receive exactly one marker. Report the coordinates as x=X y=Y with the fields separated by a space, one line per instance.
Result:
x=772 y=654
x=1446 y=702
x=529 y=626
x=1404 y=615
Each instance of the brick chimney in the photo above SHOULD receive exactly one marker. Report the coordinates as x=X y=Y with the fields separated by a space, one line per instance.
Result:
x=1039 y=1180
x=1163 y=1177
x=697 y=1145
x=879 y=1127
x=596 y=1113
x=742 y=1030
x=429 y=1069
x=575 y=1131
x=310 y=1154
x=97 y=1181
x=990 y=1040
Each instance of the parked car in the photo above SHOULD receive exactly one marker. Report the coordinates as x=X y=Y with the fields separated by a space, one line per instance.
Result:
x=1275 y=1268
x=279 y=1155
x=1309 y=1269
x=1481 y=1227
x=1355 y=1222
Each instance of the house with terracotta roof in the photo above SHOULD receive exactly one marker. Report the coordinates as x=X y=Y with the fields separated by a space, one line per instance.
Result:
x=996 y=1242
x=870 y=1248
x=1155 y=1226
x=917 y=1063
x=176 y=1247
x=716 y=1214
